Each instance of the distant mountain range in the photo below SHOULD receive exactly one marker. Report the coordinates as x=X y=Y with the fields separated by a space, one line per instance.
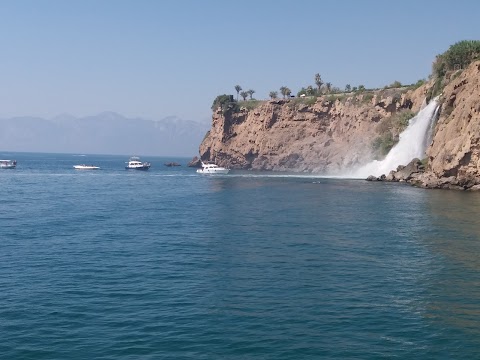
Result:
x=105 y=133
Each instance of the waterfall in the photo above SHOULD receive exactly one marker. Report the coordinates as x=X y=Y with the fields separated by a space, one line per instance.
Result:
x=412 y=144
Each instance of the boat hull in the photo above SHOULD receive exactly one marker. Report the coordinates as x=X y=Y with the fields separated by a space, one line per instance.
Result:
x=212 y=169
x=8 y=164
x=86 y=167
x=145 y=167
x=134 y=163
x=215 y=172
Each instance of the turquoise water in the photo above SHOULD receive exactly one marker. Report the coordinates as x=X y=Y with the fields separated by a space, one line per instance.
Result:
x=168 y=264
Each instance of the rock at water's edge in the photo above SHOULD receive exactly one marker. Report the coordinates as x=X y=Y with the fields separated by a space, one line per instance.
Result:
x=195 y=162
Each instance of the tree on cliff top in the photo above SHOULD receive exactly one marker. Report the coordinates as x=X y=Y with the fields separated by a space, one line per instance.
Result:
x=285 y=91
x=225 y=102
x=238 y=88
x=318 y=82
x=458 y=56
x=244 y=95
x=251 y=92
x=273 y=94
x=328 y=87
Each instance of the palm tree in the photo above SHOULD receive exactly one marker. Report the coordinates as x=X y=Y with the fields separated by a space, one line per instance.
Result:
x=238 y=88
x=283 y=91
x=251 y=92
x=244 y=95
x=273 y=94
x=318 y=82
x=348 y=88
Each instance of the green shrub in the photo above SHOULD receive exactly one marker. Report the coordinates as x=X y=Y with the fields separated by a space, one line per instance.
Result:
x=389 y=130
x=226 y=103
x=458 y=56
x=419 y=83
x=310 y=101
x=222 y=101
x=383 y=144
x=402 y=119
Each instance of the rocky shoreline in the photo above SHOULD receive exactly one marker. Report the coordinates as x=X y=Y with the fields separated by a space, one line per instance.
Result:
x=416 y=174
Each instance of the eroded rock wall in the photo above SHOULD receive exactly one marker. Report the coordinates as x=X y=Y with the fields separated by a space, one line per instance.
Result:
x=288 y=135
x=455 y=149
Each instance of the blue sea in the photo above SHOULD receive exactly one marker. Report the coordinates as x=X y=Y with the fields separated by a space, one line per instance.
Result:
x=168 y=264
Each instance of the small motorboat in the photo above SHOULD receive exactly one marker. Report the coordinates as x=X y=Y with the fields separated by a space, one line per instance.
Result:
x=85 y=167
x=8 y=164
x=212 y=169
x=135 y=164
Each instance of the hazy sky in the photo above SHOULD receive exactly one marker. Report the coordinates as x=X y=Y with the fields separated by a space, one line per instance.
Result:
x=173 y=57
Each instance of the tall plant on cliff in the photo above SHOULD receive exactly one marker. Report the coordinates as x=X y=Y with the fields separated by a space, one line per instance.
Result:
x=318 y=82
x=238 y=88
x=244 y=95
x=285 y=91
x=251 y=92
x=328 y=87
x=458 y=56
x=273 y=94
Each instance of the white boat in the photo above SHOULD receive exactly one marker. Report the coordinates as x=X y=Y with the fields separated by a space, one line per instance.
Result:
x=211 y=169
x=135 y=164
x=85 y=167
x=8 y=164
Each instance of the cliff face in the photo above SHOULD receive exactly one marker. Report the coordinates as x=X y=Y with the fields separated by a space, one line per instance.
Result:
x=330 y=135
x=291 y=135
x=455 y=149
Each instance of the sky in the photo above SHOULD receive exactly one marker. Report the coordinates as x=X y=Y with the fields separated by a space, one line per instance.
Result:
x=158 y=58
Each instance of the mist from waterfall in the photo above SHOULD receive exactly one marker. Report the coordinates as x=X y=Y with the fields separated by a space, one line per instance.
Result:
x=412 y=144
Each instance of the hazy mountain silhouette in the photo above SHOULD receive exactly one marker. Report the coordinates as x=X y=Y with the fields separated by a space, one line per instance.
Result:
x=105 y=133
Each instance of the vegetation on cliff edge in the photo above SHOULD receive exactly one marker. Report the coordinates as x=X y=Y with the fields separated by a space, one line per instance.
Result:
x=448 y=65
x=458 y=56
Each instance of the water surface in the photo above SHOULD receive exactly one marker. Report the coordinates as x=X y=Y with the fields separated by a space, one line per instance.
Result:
x=116 y=264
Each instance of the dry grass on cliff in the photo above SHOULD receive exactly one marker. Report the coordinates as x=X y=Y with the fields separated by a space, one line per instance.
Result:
x=308 y=100
x=250 y=104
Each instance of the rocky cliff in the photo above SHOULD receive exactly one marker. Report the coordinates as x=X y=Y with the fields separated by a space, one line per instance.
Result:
x=323 y=135
x=455 y=150
x=453 y=157
x=331 y=133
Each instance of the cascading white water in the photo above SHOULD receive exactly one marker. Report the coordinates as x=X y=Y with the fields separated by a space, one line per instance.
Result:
x=412 y=144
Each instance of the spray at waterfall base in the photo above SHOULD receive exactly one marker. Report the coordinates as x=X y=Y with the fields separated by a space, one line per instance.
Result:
x=412 y=144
